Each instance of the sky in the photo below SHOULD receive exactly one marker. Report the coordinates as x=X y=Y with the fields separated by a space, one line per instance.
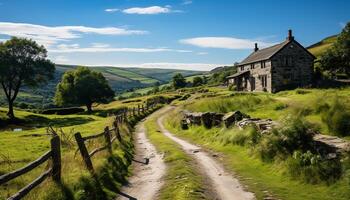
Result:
x=178 y=34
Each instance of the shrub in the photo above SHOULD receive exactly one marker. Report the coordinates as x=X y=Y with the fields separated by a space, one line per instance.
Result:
x=337 y=119
x=292 y=134
x=312 y=168
x=232 y=87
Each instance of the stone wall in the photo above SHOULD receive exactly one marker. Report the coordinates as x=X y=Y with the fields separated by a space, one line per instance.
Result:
x=291 y=67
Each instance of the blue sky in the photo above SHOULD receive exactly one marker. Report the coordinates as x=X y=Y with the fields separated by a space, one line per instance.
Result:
x=186 y=34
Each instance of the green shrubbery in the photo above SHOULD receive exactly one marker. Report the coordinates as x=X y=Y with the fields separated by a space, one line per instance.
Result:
x=337 y=118
x=312 y=168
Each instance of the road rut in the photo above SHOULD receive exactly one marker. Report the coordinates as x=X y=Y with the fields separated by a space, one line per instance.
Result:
x=147 y=178
x=226 y=186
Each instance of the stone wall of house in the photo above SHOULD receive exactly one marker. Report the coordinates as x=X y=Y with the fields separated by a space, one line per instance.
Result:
x=260 y=69
x=291 y=67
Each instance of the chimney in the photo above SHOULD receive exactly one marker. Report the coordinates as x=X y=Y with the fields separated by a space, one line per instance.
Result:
x=290 y=35
x=256 y=47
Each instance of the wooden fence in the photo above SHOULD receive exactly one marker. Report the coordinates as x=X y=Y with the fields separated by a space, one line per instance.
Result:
x=120 y=117
x=54 y=171
x=55 y=153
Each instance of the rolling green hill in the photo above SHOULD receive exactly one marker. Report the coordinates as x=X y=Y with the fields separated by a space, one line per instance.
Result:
x=320 y=47
x=120 y=79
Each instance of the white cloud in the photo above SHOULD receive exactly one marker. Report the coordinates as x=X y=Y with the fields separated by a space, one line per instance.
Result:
x=100 y=45
x=68 y=46
x=224 y=42
x=187 y=2
x=111 y=10
x=152 y=10
x=60 y=59
x=202 y=53
x=102 y=49
x=49 y=35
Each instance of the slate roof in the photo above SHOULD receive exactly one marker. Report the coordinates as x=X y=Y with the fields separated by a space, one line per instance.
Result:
x=238 y=74
x=264 y=54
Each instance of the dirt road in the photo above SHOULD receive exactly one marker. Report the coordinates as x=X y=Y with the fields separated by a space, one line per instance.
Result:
x=226 y=186
x=147 y=178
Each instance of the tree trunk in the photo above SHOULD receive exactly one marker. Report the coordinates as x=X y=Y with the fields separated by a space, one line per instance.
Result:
x=10 y=113
x=89 y=108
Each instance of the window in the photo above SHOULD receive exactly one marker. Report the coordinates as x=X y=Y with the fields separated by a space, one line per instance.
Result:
x=263 y=64
x=252 y=66
x=287 y=61
x=242 y=68
x=263 y=79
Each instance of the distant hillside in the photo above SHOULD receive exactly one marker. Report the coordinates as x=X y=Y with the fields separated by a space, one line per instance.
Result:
x=120 y=79
x=320 y=47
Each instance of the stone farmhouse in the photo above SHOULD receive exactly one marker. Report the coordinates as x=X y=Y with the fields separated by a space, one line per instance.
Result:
x=283 y=66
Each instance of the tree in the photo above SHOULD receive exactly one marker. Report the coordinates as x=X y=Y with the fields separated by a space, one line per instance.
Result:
x=22 y=63
x=337 y=58
x=179 y=81
x=83 y=87
x=197 y=81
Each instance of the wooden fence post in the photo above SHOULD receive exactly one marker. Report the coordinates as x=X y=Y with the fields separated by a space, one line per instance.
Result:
x=133 y=111
x=108 y=139
x=138 y=109
x=143 y=108
x=84 y=152
x=117 y=132
x=126 y=114
x=56 y=158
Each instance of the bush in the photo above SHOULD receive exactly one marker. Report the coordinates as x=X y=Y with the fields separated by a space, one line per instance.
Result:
x=312 y=168
x=337 y=118
x=293 y=134
x=63 y=111
x=232 y=87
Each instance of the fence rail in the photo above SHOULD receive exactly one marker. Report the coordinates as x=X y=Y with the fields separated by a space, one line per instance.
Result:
x=55 y=170
x=55 y=153
x=119 y=118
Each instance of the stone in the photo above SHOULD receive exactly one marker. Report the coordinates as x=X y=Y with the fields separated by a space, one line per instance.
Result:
x=233 y=117
x=207 y=120
x=184 y=124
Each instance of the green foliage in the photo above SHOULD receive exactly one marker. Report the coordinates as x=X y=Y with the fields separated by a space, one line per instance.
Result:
x=337 y=118
x=293 y=134
x=197 y=81
x=22 y=62
x=249 y=136
x=337 y=59
x=83 y=87
x=178 y=81
x=312 y=168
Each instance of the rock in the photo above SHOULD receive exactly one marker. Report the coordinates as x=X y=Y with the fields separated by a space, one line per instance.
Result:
x=331 y=144
x=184 y=124
x=207 y=120
x=232 y=117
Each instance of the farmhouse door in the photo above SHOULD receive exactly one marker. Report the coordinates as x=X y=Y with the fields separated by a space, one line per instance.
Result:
x=252 y=83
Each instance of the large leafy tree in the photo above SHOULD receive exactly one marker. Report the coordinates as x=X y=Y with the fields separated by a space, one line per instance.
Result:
x=22 y=63
x=197 y=81
x=83 y=87
x=337 y=59
x=179 y=81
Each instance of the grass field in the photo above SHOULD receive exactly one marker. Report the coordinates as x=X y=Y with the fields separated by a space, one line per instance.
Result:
x=259 y=176
x=20 y=148
x=263 y=177
x=320 y=47
x=305 y=102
